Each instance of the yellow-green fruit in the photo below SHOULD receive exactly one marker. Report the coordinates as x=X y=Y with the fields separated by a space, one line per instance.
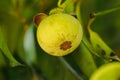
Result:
x=59 y=34
x=110 y=71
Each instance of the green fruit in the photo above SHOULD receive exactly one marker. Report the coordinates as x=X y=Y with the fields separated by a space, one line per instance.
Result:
x=110 y=71
x=59 y=34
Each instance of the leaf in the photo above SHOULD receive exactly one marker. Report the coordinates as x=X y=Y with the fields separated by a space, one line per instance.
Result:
x=84 y=59
x=6 y=52
x=98 y=44
x=15 y=69
x=5 y=5
x=71 y=68
x=2 y=60
x=10 y=27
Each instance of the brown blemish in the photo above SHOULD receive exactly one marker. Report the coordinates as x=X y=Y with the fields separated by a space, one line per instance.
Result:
x=112 y=54
x=103 y=53
x=92 y=15
x=65 y=45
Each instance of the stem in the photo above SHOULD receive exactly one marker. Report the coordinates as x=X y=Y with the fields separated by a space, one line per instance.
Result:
x=78 y=11
x=106 y=11
x=84 y=40
x=60 y=4
x=116 y=58
x=88 y=46
x=70 y=68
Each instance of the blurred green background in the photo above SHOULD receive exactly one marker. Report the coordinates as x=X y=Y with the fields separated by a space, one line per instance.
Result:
x=19 y=32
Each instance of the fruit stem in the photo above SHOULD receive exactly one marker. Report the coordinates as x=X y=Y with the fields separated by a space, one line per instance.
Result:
x=106 y=11
x=84 y=40
x=70 y=68
x=60 y=4
x=78 y=10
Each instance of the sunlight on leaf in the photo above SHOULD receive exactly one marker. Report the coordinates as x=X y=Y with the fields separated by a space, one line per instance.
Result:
x=29 y=45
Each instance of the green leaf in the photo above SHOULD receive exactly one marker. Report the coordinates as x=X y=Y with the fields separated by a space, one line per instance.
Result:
x=5 y=5
x=6 y=52
x=72 y=68
x=85 y=60
x=15 y=69
x=10 y=27
x=98 y=44
x=2 y=60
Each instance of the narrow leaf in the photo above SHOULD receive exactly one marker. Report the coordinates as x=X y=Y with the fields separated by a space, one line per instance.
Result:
x=98 y=44
x=85 y=60
x=6 y=52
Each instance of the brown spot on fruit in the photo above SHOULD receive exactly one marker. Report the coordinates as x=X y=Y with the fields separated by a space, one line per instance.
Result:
x=65 y=45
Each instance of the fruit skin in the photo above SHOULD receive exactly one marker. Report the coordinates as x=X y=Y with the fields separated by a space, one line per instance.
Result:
x=110 y=71
x=59 y=34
